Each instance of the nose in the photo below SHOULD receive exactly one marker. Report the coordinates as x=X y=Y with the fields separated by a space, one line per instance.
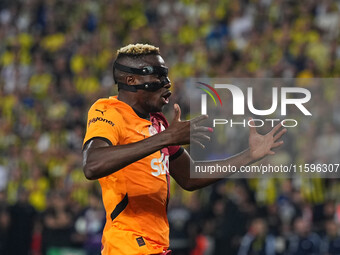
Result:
x=168 y=84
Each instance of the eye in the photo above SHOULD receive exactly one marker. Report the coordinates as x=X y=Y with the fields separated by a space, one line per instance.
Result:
x=148 y=70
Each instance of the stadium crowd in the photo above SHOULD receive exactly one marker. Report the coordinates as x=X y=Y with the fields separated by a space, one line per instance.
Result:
x=55 y=61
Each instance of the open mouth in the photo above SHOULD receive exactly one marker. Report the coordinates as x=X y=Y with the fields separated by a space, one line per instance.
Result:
x=165 y=97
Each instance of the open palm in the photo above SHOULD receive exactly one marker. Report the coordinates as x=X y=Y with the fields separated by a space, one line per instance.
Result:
x=262 y=145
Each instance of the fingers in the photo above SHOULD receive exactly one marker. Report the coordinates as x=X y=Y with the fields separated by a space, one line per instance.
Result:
x=198 y=119
x=277 y=144
x=271 y=152
x=198 y=143
x=177 y=110
x=252 y=128
x=201 y=137
x=202 y=129
x=278 y=135
x=276 y=128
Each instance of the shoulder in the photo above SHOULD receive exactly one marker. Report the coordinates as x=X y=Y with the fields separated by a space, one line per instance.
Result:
x=106 y=106
x=102 y=103
x=106 y=110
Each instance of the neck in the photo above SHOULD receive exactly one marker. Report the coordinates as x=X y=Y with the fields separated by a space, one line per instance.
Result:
x=128 y=99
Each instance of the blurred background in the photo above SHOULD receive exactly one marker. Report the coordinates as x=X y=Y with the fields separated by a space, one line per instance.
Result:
x=55 y=61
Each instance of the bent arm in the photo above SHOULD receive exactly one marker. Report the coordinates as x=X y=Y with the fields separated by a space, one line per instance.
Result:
x=101 y=159
x=259 y=147
x=180 y=169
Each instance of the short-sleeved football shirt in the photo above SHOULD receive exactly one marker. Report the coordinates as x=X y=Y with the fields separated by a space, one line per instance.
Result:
x=135 y=197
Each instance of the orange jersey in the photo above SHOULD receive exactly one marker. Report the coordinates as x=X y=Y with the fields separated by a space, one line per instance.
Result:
x=135 y=197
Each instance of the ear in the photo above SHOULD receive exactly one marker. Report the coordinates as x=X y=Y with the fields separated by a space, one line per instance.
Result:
x=130 y=80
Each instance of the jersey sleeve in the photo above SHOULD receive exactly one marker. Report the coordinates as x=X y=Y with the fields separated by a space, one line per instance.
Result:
x=175 y=152
x=104 y=124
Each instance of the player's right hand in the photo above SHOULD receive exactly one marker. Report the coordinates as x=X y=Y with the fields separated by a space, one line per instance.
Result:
x=182 y=131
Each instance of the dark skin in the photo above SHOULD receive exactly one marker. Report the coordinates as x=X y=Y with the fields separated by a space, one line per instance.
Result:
x=100 y=159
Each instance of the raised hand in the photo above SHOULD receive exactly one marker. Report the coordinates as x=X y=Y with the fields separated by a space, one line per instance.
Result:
x=181 y=130
x=262 y=145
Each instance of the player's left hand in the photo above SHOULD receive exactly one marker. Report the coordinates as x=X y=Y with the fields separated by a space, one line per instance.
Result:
x=262 y=145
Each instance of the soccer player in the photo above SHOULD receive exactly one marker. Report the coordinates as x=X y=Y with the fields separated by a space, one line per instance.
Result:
x=131 y=149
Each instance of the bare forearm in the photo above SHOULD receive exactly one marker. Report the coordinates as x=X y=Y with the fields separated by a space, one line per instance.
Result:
x=103 y=161
x=181 y=169
x=236 y=161
x=259 y=147
x=100 y=159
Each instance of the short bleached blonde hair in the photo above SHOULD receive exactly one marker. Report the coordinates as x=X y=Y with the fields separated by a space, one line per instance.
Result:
x=137 y=50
